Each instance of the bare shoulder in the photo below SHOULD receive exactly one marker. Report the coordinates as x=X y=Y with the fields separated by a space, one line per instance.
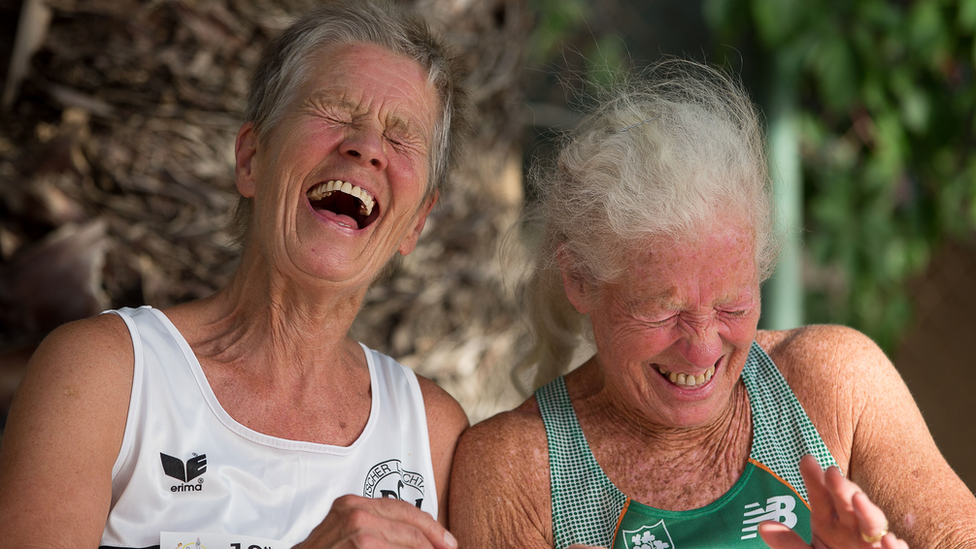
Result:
x=446 y=419
x=834 y=371
x=865 y=414
x=513 y=440
x=500 y=495
x=815 y=350
x=831 y=368
x=68 y=416
x=93 y=352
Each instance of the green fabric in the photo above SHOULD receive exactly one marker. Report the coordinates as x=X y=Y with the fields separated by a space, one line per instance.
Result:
x=586 y=506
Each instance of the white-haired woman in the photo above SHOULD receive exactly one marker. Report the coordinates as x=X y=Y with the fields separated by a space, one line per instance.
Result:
x=250 y=418
x=689 y=427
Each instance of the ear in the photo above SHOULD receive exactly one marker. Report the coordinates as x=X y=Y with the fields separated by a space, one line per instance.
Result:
x=410 y=241
x=244 y=151
x=574 y=284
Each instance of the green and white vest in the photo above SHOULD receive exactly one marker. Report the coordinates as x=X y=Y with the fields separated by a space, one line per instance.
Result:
x=587 y=508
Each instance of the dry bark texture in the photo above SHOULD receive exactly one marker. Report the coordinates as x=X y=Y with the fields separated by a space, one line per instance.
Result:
x=116 y=176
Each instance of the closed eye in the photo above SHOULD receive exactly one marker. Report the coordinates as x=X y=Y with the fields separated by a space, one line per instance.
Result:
x=663 y=322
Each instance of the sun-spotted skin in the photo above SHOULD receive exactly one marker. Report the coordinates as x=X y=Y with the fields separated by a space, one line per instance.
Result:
x=366 y=119
x=690 y=312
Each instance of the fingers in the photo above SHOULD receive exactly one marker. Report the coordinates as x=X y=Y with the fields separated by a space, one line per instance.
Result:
x=779 y=536
x=841 y=515
x=364 y=522
x=821 y=503
x=890 y=541
x=871 y=521
x=842 y=493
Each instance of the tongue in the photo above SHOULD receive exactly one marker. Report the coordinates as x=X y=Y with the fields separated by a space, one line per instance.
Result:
x=341 y=219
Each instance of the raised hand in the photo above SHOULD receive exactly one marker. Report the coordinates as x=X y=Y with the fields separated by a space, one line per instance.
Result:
x=841 y=515
x=358 y=522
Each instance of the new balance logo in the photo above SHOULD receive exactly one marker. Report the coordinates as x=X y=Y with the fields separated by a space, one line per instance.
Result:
x=195 y=466
x=778 y=508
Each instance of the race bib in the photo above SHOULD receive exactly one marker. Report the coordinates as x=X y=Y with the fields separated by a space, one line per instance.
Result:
x=203 y=540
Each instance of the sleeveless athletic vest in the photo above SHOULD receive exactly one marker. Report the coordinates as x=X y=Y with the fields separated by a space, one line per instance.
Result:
x=187 y=467
x=587 y=508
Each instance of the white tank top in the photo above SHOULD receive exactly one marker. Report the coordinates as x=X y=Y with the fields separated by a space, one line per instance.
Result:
x=186 y=466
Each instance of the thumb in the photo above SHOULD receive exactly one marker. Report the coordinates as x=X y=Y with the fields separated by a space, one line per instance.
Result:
x=780 y=536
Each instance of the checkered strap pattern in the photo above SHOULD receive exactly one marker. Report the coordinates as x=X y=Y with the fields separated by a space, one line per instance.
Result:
x=585 y=504
x=782 y=431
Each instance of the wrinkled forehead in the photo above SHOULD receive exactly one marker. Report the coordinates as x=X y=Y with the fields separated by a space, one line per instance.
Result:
x=719 y=256
x=351 y=62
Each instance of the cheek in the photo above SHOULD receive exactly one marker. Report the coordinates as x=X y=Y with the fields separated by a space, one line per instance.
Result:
x=411 y=174
x=740 y=331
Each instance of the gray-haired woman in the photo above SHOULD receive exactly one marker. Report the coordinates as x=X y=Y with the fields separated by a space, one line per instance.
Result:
x=689 y=427
x=250 y=418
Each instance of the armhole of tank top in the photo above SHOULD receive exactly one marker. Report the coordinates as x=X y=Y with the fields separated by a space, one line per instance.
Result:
x=134 y=394
x=765 y=382
x=548 y=398
x=424 y=431
x=375 y=364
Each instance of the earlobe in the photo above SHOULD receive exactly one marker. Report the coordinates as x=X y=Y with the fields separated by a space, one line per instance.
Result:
x=244 y=150
x=573 y=284
x=410 y=241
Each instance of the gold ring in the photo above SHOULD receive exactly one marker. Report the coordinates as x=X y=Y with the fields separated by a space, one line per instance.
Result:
x=875 y=538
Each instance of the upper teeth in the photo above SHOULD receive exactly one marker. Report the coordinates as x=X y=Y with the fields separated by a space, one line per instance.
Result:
x=688 y=380
x=325 y=189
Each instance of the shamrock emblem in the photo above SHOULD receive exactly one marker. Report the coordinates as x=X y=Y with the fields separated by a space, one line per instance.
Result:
x=648 y=541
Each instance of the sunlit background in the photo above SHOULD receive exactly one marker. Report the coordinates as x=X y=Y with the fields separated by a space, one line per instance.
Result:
x=116 y=169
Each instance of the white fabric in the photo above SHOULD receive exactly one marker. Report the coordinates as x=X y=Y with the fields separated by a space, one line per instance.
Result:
x=252 y=484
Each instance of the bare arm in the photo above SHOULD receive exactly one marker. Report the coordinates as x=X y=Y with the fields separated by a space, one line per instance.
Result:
x=500 y=495
x=63 y=435
x=867 y=417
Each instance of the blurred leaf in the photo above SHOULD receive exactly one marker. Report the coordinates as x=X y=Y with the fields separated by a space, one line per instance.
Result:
x=776 y=19
x=607 y=62
x=833 y=66
x=967 y=15
x=927 y=28
x=557 y=20
x=915 y=108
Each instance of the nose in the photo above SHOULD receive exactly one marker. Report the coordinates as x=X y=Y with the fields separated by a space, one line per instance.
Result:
x=701 y=344
x=365 y=146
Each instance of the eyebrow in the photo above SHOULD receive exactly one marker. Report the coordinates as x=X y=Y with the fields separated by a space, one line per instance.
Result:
x=666 y=300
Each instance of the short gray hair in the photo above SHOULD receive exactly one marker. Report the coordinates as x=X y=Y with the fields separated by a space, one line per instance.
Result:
x=286 y=62
x=659 y=157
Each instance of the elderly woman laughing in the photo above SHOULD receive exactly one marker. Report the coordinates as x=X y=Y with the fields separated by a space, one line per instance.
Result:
x=250 y=418
x=688 y=427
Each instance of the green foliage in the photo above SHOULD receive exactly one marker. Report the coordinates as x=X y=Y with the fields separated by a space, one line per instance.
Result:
x=888 y=98
x=607 y=64
x=557 y=20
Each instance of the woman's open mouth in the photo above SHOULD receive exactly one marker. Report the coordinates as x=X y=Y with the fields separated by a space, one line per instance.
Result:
x=688 y=380
x=345 y=200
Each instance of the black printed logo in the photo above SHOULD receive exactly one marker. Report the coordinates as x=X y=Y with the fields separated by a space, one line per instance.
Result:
x=388 y=479
x=195 y=466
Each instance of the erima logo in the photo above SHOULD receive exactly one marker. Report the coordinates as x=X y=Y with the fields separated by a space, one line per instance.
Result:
x=778 y=508
x=195 y=466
